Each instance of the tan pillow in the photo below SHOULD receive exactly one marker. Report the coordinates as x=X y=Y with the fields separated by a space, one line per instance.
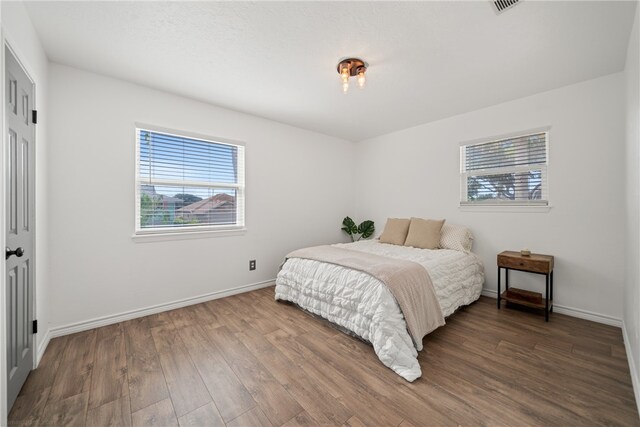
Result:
x=395 y=231
x=424 y=233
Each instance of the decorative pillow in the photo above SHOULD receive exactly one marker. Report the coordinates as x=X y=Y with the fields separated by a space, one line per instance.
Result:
x=395 y=231
x=456 y=237
x=424 y=233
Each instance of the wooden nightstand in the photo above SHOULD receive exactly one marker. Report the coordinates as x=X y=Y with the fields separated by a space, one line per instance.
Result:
x=535 y=263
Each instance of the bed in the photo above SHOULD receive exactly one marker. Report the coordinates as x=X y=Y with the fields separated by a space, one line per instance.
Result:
x=364 y=305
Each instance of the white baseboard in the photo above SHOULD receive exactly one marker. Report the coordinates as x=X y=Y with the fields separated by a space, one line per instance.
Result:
x=42 y=347
x=128 y=315
x=632 y=366
x=570 y=311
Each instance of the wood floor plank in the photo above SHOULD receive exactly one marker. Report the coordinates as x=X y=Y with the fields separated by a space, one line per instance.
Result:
x=595 y=348
x=55 y=350
x=618 y=351
x=354 y=422
x=115 y=413
x=303 y=419
x=363 y=402
x=109 y=380
x=360 y=400
x=138 y=339
x=512 y=412
x=43 y=376
x=206 y=415
x=295 y=321
x=600 y=358
x=186 y=388
x=231 y=318
x=253 y=417
x=560 y=328
x=404 y=403
x=607 y=384
x=246 y=306
x=317 y=402
x=28 y=408
x=597 y=371
x=268 y=393
x=406 y=396
x=204 y=315
x=228 y=393
x=74 y=373
x=220 y=309
x=166 y=338
x=182 y=317
x=159 y=414
x=287 y=344
x=159 y=319
x=473 y=331
x=71 y=411
x=109 y=331
x=525 y=390
x=282 y=321
x=147 y=384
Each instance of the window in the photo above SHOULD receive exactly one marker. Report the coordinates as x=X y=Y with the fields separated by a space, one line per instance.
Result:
x=509 y=171
x=187 y=183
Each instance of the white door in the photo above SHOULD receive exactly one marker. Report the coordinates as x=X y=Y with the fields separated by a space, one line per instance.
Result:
x=19 y=166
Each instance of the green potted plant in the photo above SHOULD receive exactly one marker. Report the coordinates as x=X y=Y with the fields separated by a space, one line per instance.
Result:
x=364 y=230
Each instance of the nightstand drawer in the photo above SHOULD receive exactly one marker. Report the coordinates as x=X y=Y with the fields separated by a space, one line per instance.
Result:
x=533 y=263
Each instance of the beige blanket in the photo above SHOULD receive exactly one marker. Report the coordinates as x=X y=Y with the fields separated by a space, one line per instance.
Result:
x=408 y=282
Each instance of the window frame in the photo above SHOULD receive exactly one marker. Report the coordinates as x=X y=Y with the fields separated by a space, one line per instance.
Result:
x=543 y=205
x=183 y=232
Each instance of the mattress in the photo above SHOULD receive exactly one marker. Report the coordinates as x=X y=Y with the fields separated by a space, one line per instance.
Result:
x=364 y=305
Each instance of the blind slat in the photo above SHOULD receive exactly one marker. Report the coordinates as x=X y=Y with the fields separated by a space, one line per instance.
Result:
x=505 y=171
x=187 y=182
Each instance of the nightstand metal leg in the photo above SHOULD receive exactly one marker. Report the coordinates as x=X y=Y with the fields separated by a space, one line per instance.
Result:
x=546 y=300
x=551 y=309
x=498 y=288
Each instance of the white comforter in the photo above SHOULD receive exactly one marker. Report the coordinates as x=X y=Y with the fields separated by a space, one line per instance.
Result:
x=365 y=306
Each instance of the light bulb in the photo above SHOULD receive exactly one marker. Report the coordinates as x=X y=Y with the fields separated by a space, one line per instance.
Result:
x=361 y=78
x=344 y=73
x=345 y=86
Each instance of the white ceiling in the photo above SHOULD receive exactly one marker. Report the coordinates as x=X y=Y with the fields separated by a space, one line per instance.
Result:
x=428 y=60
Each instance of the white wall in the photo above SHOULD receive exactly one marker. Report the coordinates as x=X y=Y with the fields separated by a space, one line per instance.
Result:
x=23 y=39
x=632 y=251
x=297 y=192
x=415 y=172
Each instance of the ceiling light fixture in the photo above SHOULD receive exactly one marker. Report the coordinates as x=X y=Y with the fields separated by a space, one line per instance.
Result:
x=352 y=67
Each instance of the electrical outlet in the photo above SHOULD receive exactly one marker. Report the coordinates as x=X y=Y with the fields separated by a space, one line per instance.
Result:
x=252 y=265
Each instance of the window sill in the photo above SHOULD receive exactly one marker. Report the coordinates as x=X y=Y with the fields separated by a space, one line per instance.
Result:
x=186 y=235
x=513 y=209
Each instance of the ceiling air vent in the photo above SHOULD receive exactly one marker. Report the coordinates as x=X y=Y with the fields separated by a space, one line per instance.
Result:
x=502 y=5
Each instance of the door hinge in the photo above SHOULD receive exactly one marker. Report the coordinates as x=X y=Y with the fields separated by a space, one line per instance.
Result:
x=34 y=116
x=35 y=327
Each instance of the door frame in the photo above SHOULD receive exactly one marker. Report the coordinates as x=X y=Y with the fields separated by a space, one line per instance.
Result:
x=7 y=42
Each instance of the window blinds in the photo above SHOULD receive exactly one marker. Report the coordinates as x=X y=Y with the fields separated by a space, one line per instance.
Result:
x=187 y=183
x=509 y=171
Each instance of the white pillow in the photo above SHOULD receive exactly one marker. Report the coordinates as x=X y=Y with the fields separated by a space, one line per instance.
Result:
x=456 y=237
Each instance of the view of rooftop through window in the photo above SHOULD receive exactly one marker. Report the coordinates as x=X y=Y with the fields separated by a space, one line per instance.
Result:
x=187 y=182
